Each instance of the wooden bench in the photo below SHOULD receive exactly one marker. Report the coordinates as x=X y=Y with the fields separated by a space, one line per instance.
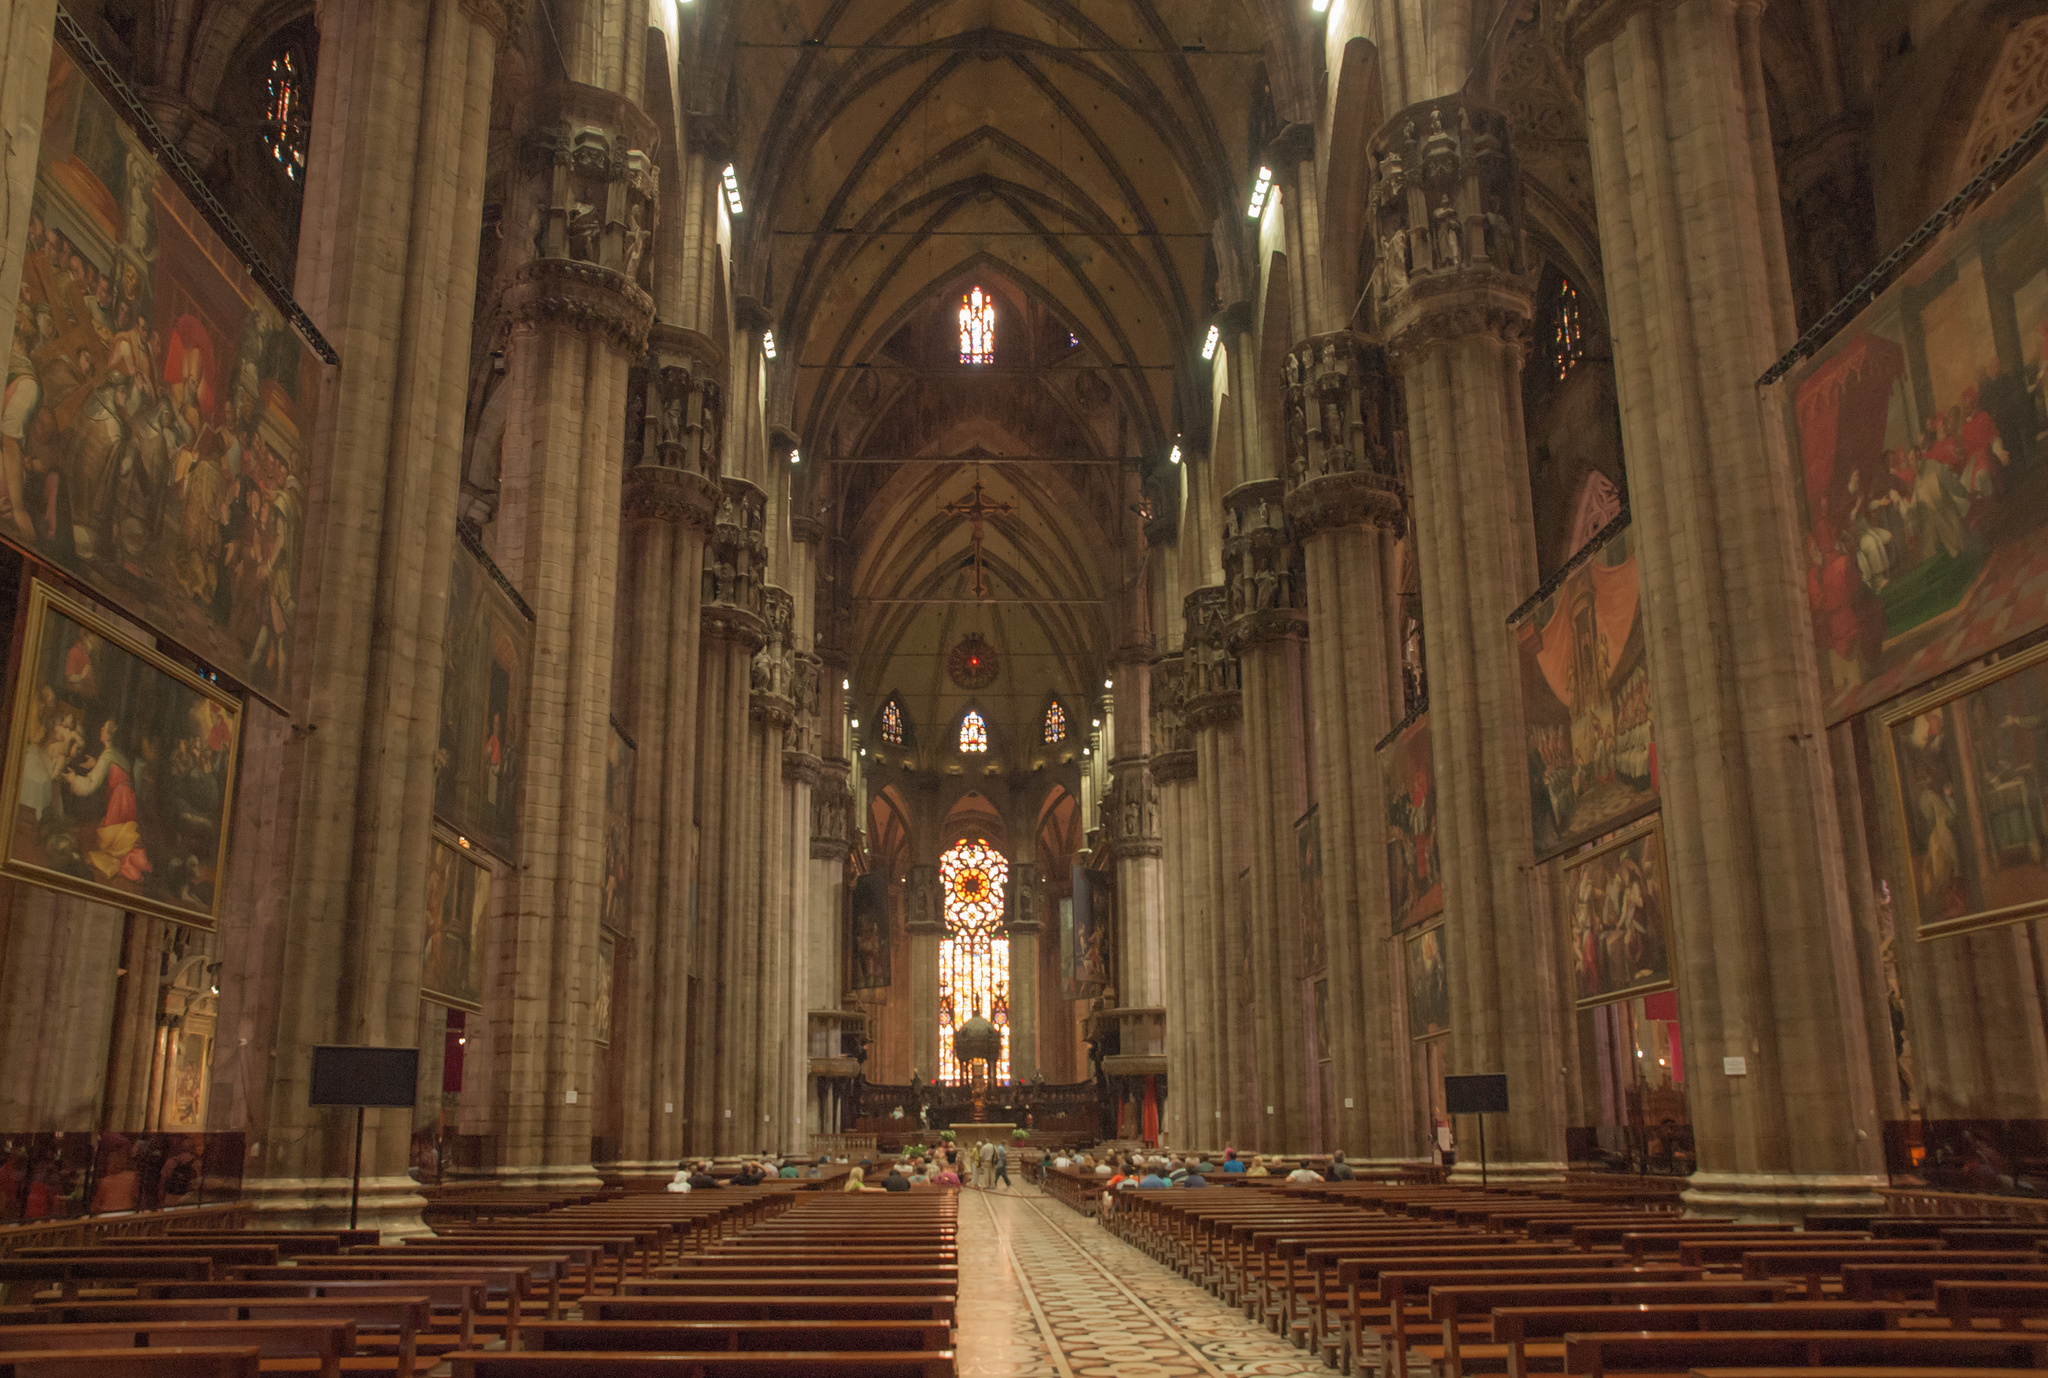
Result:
x=67 y=1273
x=738 y=1336
x=403 y=1318
x=2011 y=1304
x=1514 y=1327
x=1456 y=1307
x=567 y=1364
x=199 y=1361
x=1815 y=1266
x=461 y=1298
x=327 y=1341
x=1680 y=1351
x=740 y=1307
x=1905 y=1281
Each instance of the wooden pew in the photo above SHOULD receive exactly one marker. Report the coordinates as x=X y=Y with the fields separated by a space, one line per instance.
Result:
x=404 y=1318
x=564 y=1364
x=199 y=1361
x=735 y=1306
x=513 y=1282
x=461 y=1298
x=1453 y=1307
x=67 y=1273
x=328 y=1341
x=224 y=1256
x=737 y=1336
x=1677 y=1351
x=1514 y=1327
x=2011 y=1304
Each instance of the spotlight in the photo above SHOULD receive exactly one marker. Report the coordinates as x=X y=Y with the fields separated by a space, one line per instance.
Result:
x=1259 y=191
x=1215 y=334
x=768 y=343
x=732 y=191
x=1174 y=458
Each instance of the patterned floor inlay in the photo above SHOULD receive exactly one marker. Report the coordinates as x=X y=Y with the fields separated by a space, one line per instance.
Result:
x=1047 y=1293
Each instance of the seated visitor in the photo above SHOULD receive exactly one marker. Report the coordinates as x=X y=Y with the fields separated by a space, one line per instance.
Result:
x=1194 y=1179
x=1102 y=1169
x=680 y=1183
x=895 y=1181
x=702 y=1178
x=1231 y=1162
x=856 y=1180
x=948 y=1178
x=789 y=1172
x=1152 y=1181
x=749 y=1175
x=1340 y=1171
x=1258 y=1167
x=1304 y=1173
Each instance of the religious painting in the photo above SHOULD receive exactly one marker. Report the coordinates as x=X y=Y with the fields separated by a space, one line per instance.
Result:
x=1429 y=985
x=618 y=830
x=489 y=653
x=121 y=766
x=1088 y=954
x=869 y=951
x=1324 y=1052
x=1921 y=437
x=1415 y=878
x=457 y=918
x=1586 y=702
x=1618 y=908
x=1969 y=763
x=158 y=405
x=601 y=1003
x=1308 y=853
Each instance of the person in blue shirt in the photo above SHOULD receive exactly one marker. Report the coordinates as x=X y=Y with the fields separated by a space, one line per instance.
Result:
x=1194 y=1179
x=1231 y=1162
x=1151 y=1179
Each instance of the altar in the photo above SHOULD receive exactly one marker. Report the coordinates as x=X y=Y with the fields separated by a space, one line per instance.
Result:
x=970 y=1137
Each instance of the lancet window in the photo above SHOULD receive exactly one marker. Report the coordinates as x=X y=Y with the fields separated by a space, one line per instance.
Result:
x=1055 y=725
x=286 y=112
x=973 y=732
x=974 y=955
x=1567 y=330
x=892 y=723
x=977 y=328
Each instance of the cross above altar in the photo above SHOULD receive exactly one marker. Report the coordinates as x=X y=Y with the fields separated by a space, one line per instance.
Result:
x=977 y=512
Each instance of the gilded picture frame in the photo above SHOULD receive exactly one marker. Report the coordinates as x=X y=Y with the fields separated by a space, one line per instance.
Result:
x=95 y=702
x=1967 y=797
x=1427 y=962
x=1618 y=889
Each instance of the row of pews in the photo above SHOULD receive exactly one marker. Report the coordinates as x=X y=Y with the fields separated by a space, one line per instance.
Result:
x=734 y=1283
x=1444 y=1282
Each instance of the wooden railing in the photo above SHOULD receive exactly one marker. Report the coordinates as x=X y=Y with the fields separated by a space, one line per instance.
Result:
x=1963 y=1204
x=99 y=1229
x=850 y=1146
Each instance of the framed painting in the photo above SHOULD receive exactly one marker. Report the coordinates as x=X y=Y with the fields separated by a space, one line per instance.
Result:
x=1969 y=765
x=1415 y=879
x=457 y=917
x=1308 y=853
x=1429 y=984
x=489 y=652
x=1586 y=702
x=1921 y=440
x=1618 y=908
x=614 y=898
x=1088 y=953
x=868 y=954
x=601 y=1002
x=121 y=766
x=159 y=406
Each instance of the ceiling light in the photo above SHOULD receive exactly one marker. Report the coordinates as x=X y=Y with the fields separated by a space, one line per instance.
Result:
x=1096 y=723
x=1109 y=684
x=768 y=343
x=1265 y=185
x=732 y=191
x=1215 y=336
x=846 y=684
x=1174 y=458
x=1084 y=751
x=796 y=456
x=856 y=722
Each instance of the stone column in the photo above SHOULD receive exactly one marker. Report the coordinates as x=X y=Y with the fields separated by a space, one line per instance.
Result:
x=1347 y=496
x=395 y=178
x=924 y=920
x=671 y=496
x=831 y=813
x=1024 y=918
x=1692 y=238
x=1219 y=934
x=1265 y=585
x=1191 y=1052
x=755 y=1040
x=1455 y=306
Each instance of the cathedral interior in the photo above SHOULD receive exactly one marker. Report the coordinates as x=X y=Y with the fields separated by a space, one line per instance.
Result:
x=1284 y=554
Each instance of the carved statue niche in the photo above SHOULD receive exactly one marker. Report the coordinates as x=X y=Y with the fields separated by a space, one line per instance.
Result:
x=1447 y=194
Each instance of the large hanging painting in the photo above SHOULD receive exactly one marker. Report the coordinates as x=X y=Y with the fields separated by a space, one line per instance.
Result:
x=1429 y=984
x=1586 y=702
x=457 y=918
x=489 y=653
x=1308 y=855
x=1922 y=440
x=122 y=768
x=868 y=952
x=601 y=1003
x=1088 y=949
x=153 y=442
x=1415 y=879
x=1619 y=912
x=618 y=830
x=1970 y=761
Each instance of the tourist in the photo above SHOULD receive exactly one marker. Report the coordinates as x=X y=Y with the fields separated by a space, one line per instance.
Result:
x=948 y=1179
x=788 y=1173
x=895 y=1181
x=1102 y=1169
x=1340 y=1171
x=1001 y=1158
x=749 y=1175
x=702 y=1178
x=856 y=1180
x=1231 y=1162
x=680 y=1183
x=1258 y=1167
x=1304 y=1173
x=1152 y=1181
x=1195 y=1178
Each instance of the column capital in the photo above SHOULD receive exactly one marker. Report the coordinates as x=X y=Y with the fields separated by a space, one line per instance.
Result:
x=1130 y=809
x=1172 y=767
x=831 y=805
x=774 y=677
x=1477 y=305
x=736 y=557
x=750 y=315
x=923 y=905
x=800 y=768
x=1264 y=575
x=1294 y=145
x=656 y=493
x=565 y=294
x=1344 y=460
x=1213 y=679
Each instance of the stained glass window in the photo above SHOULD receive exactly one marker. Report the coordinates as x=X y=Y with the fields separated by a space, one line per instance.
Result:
x=892 y=723
x=1055 y=725
x=1567 y=330
x=974 y=956
x=973 y=732
x=977 y=328
x=284 y=120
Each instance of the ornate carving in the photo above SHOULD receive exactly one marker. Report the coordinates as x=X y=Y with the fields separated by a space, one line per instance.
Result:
x=806 y=530
x=773 y=672
x=563 y=293
x=653 y=493
x=737 y=625
x=737 y=554
x=1168 y=693
x=1024 y=904
x=973 y=662
x=831 y=811
x=1212 y=674
x=1448 y=310
x=802 y=736
x=922 y=901
x=1130 y=809
x=685 y=403
x=595 y=185
x=1171 y=767
x=1343 y=454
x=1264 y=574
x=1593 y=22
x=800 y=768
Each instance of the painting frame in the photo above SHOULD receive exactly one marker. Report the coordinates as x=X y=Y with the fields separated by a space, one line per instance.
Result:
x=1407 y=767
x=1652 y=829
x=43 y=599
x=472 y=887
x=1941 y=699
x=604 y=998
x=1415 y=968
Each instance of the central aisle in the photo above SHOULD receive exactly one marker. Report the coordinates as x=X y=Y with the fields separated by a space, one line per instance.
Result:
x=1047 y=1293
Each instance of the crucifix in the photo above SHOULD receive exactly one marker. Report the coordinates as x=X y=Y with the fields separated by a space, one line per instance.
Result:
x=977 y=512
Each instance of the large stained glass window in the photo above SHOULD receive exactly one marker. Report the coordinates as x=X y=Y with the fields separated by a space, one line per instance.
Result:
x=974 y=956
x=973 y=732
x=285 y=115
x=1055 y=725
x=977 y=328
x=1567 y=331
x=892 y=723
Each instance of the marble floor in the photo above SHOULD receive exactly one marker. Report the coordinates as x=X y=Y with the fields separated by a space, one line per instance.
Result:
x=1047 y=1291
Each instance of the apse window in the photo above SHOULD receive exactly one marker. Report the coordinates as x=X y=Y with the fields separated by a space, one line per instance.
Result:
x=974 y=955
x=285 y=118
x=977 y=328
x=892 y=723
x=973 y=732
x=1055 y=725
x=1567 y=330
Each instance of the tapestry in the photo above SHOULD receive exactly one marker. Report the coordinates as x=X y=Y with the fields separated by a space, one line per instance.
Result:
x=122 y=766
x=868 y=952
x=1429 y=985
x=1586 y=702
x=1921 y=440
x=158 y=405
x=1088 y=953
x=618 y=831
x=1618 y=908
x=601 y=1003
x=457 y=918
x=1308 y=854
x=1968 y=762
x=1415 y=879
x=489 y=655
